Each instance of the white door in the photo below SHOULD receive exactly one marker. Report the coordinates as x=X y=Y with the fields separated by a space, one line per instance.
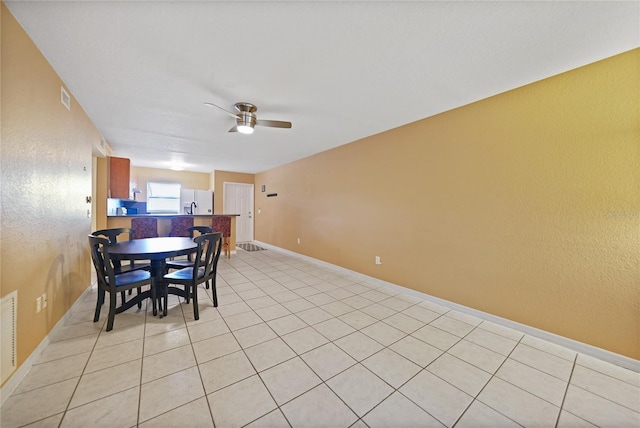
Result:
x=238 y=199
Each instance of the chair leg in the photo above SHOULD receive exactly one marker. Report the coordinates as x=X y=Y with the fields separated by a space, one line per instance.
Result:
x=153 y=298
x=112 y=311
x=140 y=302
x=214 y=293
x=196 y=312
x=165 y=293
x=99 y=304
x=187 y=292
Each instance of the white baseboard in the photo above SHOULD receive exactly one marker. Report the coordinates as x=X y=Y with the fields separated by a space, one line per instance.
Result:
x=12 y=383
x=580 y=347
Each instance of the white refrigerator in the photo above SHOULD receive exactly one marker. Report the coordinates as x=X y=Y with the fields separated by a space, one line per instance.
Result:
x=196 y=202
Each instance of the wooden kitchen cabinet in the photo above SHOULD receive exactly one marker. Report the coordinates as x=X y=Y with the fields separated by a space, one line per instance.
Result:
x=119 y=170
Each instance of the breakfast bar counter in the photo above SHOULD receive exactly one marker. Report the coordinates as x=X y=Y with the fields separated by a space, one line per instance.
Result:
x=164 y=223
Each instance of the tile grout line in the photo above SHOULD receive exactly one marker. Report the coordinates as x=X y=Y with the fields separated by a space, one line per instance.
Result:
x=360 y=418
x=144 y=340
x=485 y=385
x=444 y=380
x=386 y=347
x=297 y=355
x=83 y=369
x=204 y=389
x=566 y=391
x=257 y=373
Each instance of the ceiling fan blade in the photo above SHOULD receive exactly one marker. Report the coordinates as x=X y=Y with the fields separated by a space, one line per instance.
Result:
x=223 y=109
x=234 y=129
x=274 y=123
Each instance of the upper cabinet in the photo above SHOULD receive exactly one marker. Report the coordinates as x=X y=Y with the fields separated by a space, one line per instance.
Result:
x=119 y=170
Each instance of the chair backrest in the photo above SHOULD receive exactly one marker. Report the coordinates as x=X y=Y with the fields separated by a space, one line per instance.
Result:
x=192 y=234
x=112 y=235
x=222 y=224
x=102 y=261
x=144 y=227
x=180 y=226
x=200 y=229
x=208 y=253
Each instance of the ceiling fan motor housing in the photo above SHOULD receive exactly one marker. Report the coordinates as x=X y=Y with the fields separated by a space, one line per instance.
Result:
x=246 y=107
x=246 y=119
x=246 y=114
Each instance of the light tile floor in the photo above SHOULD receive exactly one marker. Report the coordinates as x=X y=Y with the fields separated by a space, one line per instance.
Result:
x=296 y=344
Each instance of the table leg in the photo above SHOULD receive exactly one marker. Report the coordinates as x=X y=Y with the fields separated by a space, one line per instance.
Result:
x=156 y=283
x=159 y=287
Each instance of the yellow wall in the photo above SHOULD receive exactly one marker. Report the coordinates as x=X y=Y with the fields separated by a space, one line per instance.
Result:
x=221 y=177
x=525 y=205
x=46 y=175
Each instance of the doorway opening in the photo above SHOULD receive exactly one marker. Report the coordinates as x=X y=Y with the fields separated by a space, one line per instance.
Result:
x=238 y=199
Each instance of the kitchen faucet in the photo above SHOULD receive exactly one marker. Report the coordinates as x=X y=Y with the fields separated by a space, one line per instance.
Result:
x=193 y=205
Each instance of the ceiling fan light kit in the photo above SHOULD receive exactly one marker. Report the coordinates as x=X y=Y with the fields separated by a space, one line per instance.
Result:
x=246 y=118
x=244 y=129
x=245 y=123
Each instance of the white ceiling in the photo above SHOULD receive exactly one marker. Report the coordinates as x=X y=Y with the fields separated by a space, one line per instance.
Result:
x=340 y=71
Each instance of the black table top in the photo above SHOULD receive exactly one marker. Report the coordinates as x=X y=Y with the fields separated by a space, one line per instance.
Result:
x=153 y=248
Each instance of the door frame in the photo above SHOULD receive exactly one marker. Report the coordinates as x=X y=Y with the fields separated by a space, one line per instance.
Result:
x=251 y=202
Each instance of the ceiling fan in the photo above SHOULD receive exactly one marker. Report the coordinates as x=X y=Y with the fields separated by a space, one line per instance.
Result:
x=246 y=118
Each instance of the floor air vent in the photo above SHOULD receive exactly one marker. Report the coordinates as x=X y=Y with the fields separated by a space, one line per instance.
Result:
x=8 y=310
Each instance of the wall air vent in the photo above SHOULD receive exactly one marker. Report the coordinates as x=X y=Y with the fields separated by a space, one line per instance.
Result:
x=65 y=98
x=8 y=309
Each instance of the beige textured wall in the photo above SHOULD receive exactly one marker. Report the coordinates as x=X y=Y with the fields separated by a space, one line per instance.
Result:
x=525 y=205
x=46 y=175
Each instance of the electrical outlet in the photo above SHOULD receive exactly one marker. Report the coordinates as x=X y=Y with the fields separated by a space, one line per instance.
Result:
x=38 y=304
x=378 y=261
x=298 y=240
x=44 y=300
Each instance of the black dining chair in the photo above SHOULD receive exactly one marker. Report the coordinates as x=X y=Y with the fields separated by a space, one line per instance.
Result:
x=113 y=234
x=188 y=262
x=112 y=282
x=204 y=269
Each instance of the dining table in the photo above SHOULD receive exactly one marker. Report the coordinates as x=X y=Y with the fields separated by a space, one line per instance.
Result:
x=157 y=250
